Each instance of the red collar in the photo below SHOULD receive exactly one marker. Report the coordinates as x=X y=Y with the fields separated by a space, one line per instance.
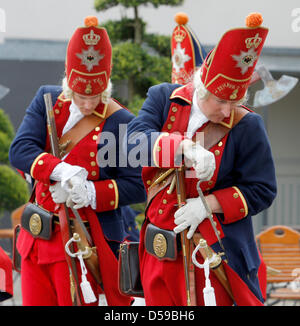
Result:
x=186 y=93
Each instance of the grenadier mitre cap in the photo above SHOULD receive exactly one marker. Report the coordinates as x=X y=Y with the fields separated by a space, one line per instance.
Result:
x=89 y=59
x=228 y=68
x=187 y=52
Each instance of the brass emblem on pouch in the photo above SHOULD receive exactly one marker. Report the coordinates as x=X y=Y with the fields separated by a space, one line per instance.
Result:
x=160 y=245
x=35 y=224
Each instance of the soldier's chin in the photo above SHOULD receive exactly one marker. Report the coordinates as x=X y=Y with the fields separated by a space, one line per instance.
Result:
x=86 y=111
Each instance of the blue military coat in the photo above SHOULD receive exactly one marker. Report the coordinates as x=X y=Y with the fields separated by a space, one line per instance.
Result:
x=116 y=186
x=244 y=180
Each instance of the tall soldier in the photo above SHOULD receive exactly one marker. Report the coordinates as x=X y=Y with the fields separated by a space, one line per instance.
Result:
x=234 y=165
x=99 y=187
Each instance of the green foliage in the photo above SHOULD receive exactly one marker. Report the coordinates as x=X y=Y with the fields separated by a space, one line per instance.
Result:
x=122 y=30
x=107 y=4
x=161 y=44
x=6 y=136
x=6 y=126
x=13 y=189
x=4 y=147
x=140 y=217
x=136 y=104
x=128 y=61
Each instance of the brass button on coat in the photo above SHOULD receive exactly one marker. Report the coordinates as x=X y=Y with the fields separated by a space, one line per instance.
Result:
x=235 y=195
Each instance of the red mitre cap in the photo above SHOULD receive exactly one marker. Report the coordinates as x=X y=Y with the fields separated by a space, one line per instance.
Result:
x=89 y=59
x=228 y=68
x=187 y=52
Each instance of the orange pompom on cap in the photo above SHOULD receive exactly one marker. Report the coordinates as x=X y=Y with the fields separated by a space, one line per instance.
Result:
x=181 y=18
x=254 y=19
x=91 y=21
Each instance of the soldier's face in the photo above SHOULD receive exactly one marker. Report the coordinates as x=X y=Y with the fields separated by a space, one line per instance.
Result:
x=216 y=109
x=86 y=104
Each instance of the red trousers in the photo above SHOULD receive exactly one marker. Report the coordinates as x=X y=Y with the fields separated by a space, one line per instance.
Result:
x=47 y=284
x=164 y=285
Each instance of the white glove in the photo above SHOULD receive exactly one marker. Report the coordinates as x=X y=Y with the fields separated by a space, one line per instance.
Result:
x=203 y=161
x=190 y=215
x=63 y=172
x=58 y=194
x=82 y=193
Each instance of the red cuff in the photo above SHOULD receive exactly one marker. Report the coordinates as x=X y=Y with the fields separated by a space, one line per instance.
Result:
x=165 y=148
x=233 y=203
x=43 y=166
x=208 y=232
x=107 y=195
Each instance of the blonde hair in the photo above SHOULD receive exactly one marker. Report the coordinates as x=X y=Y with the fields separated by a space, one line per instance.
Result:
x=105 y=95
x=202 y=92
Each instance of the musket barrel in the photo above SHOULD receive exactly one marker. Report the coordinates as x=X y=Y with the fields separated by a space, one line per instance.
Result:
x=51 y=125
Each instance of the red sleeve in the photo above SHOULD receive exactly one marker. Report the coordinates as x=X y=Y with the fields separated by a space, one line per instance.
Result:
x=233 y=203
x=42 y=167
x=165 y=148
x=107 y=195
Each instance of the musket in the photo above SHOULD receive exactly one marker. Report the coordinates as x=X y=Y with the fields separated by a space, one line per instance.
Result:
x=64 y=218
x=186 y=244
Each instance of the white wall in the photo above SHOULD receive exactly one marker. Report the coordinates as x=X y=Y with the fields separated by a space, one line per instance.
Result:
x=57 y=19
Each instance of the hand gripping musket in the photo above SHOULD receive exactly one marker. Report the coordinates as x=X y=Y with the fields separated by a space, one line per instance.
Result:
x=64 y=219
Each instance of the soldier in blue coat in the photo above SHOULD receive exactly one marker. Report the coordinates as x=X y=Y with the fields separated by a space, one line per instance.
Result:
x=88 y=174
x=234 y=165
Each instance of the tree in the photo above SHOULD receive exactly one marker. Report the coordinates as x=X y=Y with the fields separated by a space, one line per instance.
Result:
x=141 y=59
x=135 y=4
x=13 y=188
